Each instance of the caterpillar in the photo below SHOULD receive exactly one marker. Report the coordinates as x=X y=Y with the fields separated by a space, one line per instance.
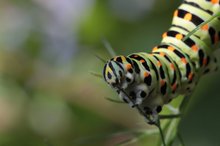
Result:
x=172 y=68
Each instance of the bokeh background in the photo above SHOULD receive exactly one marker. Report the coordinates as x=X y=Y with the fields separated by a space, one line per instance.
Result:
x=48 y=96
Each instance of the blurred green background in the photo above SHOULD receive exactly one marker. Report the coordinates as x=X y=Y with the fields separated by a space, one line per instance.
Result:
x=48 y=96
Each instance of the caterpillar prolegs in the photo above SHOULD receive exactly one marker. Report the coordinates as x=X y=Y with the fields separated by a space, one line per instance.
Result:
x=174 y=67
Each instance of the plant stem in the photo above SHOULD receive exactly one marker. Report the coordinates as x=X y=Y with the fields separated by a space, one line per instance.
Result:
x=199 y=26
x=161 y=131
x=180 y=139
x=162 y=117
x=109 y=47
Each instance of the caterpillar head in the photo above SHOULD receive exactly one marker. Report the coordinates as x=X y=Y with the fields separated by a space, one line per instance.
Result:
x=118 y=72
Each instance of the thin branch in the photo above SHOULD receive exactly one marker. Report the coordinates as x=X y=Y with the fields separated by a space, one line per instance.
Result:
x=114 y=100
x=100 y=58
x=128 y=141
x=162 y=117
x=180 y=139
x=161 y=132
x=136 y=106
x=138 y=137
x=96 y=74
x=184 y=104
x=109 y=47
x=199 y=26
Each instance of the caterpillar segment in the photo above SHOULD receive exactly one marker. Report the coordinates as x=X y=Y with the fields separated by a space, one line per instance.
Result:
x=173 y=67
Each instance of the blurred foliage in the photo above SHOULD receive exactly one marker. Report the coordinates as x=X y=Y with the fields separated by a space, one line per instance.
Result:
x=49 y=98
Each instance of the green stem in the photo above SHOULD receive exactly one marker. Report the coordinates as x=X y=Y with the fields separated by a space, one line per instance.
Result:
x=172 y=131
x=180 y=139
x=109 y=47
x=96 y=74
x=138 y=137
x=100 y=58
x=199 y=26
x=184 y=104
x=161 y=131
x=162 y=117
x=114 y=100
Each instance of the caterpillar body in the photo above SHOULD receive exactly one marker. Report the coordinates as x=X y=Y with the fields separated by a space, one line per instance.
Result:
x=173 y=67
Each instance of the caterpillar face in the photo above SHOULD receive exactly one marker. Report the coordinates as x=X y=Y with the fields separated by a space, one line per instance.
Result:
x=124 y=73
x=118 y=72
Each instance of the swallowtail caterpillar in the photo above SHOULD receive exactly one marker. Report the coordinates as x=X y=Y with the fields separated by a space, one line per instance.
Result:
x=147 y=81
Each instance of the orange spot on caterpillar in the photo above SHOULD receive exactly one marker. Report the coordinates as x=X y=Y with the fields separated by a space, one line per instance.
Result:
x=188 y=17
x=216 y=38
x=162 y=54
x=214 y=1
x=171 y=48
x=174 y=87
x=179 y=36
x=146 y=74
x=184 y=60
x=204 y=62
x=172 y=66
x=142 y=60
x=164 y=35
x=159 y=63
x=162 y=82
x=190 y=77
x=205 y=27
x=155 y=48
x=128 y=66
x=195 y=48
x=175 y=13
